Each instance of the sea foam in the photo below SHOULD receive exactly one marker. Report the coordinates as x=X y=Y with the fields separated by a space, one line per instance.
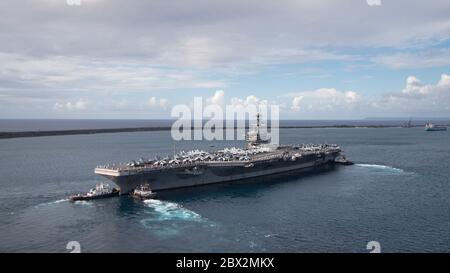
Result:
x=381 y=167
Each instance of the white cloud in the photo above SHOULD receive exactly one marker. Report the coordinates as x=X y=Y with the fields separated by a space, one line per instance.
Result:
x=327 y=96
x=205 y=34
x=415 y=99
x=217 y=98
x=155 y=102
x=325 y=102
x=414 y=88
x=78 y=105
x=56 y=74
x=444 y=82
x=351 y=97
x=251 y=100
x=418 y=99
x=296 y=103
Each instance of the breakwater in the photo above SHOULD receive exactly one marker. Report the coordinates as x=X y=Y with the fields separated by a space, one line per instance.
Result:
x=5 y=135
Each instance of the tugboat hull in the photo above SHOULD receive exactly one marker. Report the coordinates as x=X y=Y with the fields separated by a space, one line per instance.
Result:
x=436 y=129
x=85 y=197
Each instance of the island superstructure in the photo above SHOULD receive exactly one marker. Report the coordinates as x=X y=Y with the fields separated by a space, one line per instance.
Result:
x=197 y=167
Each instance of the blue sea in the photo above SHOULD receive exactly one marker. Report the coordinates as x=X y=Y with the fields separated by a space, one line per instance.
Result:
x=397 y=193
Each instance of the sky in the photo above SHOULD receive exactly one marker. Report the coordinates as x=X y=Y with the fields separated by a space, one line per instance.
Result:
x=322 y=59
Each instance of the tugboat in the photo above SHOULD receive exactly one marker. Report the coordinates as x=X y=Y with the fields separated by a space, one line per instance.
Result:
x=143 y=192
x=431 y=127
x=101 y=190
x=341 y=159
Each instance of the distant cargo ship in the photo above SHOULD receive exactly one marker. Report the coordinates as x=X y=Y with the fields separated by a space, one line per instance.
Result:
x=431 y=127
x=197 y=167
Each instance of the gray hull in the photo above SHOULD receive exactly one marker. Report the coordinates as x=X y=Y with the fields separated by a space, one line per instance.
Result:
x=173 y=178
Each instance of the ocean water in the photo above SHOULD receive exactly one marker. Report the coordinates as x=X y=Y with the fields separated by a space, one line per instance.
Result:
x=397 y=194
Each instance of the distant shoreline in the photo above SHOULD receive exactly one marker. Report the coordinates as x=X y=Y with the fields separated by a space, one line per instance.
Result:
x=23 y=134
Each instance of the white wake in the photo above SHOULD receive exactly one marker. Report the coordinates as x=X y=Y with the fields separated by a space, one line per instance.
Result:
x=52 y=203
x=380 y=167
x=165 y=210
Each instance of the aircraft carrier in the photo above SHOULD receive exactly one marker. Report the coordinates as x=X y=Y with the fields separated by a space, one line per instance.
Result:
x=197 y=167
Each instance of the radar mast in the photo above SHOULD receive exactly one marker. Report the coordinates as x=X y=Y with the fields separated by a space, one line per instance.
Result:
x=254 y=137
